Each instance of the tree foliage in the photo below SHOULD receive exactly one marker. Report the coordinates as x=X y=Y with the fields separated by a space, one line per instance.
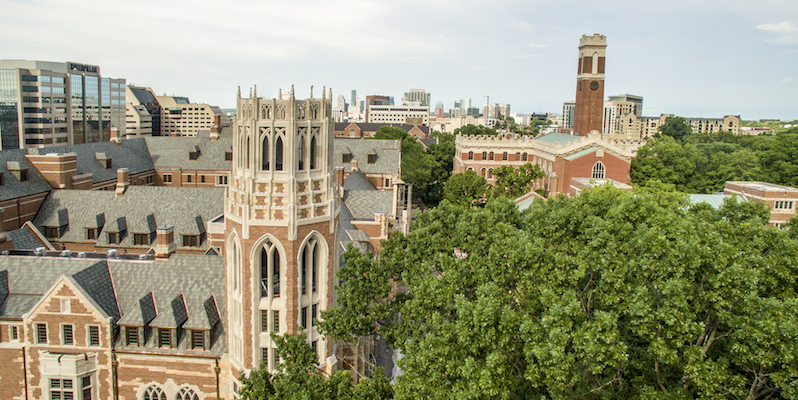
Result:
x=297 y=378
x=514 y=182
x=676 y=127
x=606 y=295
x=464 y=189
x=702 y=163
x=471 y=129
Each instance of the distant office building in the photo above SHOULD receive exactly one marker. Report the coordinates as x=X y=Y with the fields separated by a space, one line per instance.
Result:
x=354 y=98
x=44 y=104
x=416 y=98
x=438 y=109
x=568 y=114
x=632 y=127
x=386 y=114
x=496 y=110
x=341 y=105
x=620 y=105
x=145 y=97
x=180 y=117
x=138 y=121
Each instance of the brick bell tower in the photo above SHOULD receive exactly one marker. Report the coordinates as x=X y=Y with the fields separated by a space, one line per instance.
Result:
x=281 y=224
x=589 y=107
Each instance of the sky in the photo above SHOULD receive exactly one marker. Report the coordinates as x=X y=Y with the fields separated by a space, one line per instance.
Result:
x=691 y=58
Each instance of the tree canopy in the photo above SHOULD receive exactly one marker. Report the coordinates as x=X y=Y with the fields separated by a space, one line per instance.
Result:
x=676 y=127
x=702 y=163
x=605 y=295
x=471 y=129
x=463 y=189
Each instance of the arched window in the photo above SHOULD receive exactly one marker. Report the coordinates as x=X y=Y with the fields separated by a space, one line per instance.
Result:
x=313 y=152
x=524 y=157
x=517 y=156
x=278 y=154
x=269 y=270
x=598 y=170
x=490 y=156
x=485 y=173
x=264 y=154
x=484 y=155
x=236 y=269
x=309 y=260
x=154 y=393
x=247 y=155
x=504 y=156
x=187 y=394
x=300 y=152
x=470 y=155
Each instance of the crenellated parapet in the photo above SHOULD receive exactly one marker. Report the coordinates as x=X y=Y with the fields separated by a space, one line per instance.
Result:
x=516 y=142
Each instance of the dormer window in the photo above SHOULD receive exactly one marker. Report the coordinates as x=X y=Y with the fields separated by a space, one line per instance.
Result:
x=103 y=159
x=228 y=156
x=17 y=170
x=1 y=179
x=191 y=240
x=113 y=237
x=372 y=158
x=51 y=232
x=164 y=337
x=193 y=155
x=347 y=157
x=131 y=336
x=198 y=340
x=91 y=233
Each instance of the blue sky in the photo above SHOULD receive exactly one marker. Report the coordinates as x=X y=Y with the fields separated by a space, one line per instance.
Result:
x=692 y=58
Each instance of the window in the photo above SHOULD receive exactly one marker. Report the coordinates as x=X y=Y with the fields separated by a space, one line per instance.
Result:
x=490 y=156
x=278 y=154
x=198 y=340
x=190 y=240
x=193 y=155
x=132 y=336
x=188 y=178
x=187 y=394
x=372 y=158
x=347 y=157
x=93 y=335
x=51 y=232
x=504 y=156
x=387 y=182
x=91 y=233
x=221 y=180
x=313 y=312
x=304 y=317
x=264 y=356
x=167 y=178
x=202 y=178
x=1 y=179
x=141 y=239
x=598 y=170
x=300 y=153
x=264 y=320
x=484 y=155
x=313 y=152
x=164 y=337
x=276 y=320
x=67 y=337
x=41 y=333
x=154 y=393
x=524 y=157
x=66 y=306
x=228 y=156
x=264 y=154
x=783 y=205
x=113 y=237
x=470 y=155
x=270 y=269
x=13 y=333
x=85 y=386
x=62 y=389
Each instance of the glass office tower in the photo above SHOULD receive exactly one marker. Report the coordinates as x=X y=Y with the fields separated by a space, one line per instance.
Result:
x=45 y=104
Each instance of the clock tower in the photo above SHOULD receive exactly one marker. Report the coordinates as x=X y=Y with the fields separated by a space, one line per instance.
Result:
x=589 y=107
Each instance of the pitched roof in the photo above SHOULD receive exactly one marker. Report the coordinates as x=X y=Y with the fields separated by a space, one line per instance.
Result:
x=358 y=181
x=364 y=203
x=715 y=200
x=130 y=153
x=170 y=152
x=558 y=138
x=26 y=239
x=389 y=155
x=185 y=208
x=12 y=187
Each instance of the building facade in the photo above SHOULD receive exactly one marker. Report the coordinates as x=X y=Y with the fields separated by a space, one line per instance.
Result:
x=619 y=105
x=590 y=84
x=281 y=220
x=568 y=114
x=417 y=98
x=45 y=104
x=781 y=200
x=382 y=114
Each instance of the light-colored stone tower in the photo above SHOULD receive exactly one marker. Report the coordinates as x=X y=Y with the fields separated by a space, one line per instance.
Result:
x=589 y=107
x=281 y=223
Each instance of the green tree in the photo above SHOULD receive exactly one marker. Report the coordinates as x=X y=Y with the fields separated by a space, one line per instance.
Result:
x=443 y=153
x=600 y=296
x=464 y=189
x=676 y=127
x=417 y=166
x=475 y=130
x=297 y=378
x=514 y=182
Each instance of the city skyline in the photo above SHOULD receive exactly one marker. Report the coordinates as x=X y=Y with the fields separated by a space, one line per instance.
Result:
x=692 y=59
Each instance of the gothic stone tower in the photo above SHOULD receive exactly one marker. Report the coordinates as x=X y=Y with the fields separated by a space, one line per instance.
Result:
x=589 y=107
x=281 y=221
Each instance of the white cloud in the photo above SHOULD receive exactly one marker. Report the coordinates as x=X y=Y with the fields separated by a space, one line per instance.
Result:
x=788 y=79
x=781 y=27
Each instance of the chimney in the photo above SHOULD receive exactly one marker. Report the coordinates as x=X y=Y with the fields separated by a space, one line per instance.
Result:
x=214 y=133
x=58 y=169
x=115 y=137
x=339 y=180
x=122 y=181
x=5 y=240
x=165 y=241
x=174 y=134
x=354 y=165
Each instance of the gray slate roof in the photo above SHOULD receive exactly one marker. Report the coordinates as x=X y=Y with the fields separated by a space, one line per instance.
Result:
x=389 y=155
x=358 y=181
x=364 y=203
x=186 y=289
x=185 y=208
x=558 y=138
x=172 y=153
x=130 y=153
x=24 y=239
x=12 y=187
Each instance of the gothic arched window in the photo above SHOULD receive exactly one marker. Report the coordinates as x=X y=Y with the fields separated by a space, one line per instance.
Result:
x=598 y=170
x=264 y=154
x=269 y=270
x=187 y=394
x=278 y=154
x=309 y=261
x=300 y=152
x=154 y=393
x=313 y=152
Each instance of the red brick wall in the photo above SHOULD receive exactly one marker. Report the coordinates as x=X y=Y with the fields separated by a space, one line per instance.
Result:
x=135 y=371
x=615 y=168
x=589 y=107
